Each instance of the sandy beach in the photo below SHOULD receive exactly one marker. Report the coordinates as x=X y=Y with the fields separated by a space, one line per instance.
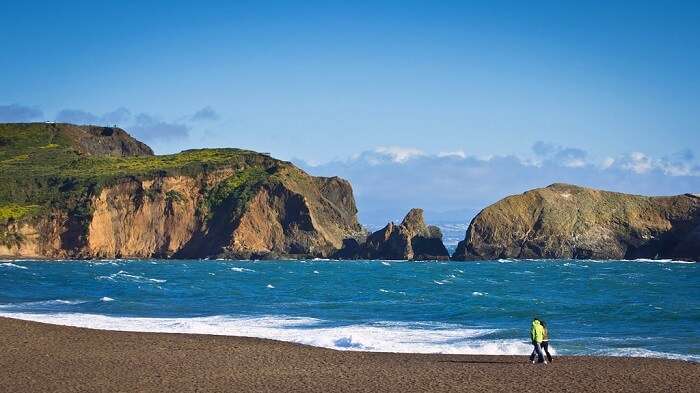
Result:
x=41 y=357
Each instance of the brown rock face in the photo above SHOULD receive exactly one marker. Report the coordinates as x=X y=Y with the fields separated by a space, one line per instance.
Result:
x=195 y=204
x=566 y=221
x=164 y=217
x=412 y=240
x=141 y=219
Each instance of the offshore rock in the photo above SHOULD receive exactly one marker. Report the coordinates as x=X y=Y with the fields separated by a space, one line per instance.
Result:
x=567 y=221
x=411 y=240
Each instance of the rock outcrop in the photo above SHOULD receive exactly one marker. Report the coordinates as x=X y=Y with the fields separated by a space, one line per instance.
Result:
x=411 y=240
x=566 y=221
x=95 y=192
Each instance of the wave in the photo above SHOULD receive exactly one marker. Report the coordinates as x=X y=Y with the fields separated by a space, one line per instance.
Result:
x=126 y=276
x=660 y=261
x=647 y=353
x=41 y=304
x=376 y=337
x=242 y=269
x=12 y=265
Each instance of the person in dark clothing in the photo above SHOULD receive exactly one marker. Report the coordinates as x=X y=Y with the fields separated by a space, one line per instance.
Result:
x=545 y=341
x=544 y=345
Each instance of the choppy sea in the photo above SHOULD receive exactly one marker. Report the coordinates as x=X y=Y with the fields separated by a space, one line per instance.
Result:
x=617 y=308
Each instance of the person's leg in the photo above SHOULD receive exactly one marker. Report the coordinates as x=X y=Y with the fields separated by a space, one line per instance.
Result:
x=534 y=353
x=540 y=355
x=545 y=347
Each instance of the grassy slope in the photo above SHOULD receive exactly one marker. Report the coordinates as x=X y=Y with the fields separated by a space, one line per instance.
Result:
x=40 y=168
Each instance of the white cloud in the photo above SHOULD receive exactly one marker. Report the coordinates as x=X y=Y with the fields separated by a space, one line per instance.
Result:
x=638 y=163
x=575 y=163
x=399 y=154
x=677 y=165
x=389 y=181
x=607 y=162
x=455 y=154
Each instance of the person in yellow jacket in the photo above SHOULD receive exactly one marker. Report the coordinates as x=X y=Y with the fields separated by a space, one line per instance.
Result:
x=537 y=336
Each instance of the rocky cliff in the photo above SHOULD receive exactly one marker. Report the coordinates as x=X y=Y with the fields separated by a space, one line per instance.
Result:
x=566 y=221
x=411 y=240
x=95 y=192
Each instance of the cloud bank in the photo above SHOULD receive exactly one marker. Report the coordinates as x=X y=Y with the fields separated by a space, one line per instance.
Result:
x=454 y=186
x=15 y=113
x=205 y=114
x=77 y=116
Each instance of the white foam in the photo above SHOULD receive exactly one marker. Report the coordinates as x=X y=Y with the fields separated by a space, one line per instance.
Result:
x=242 y=269
x=40 y=304
x=270 y=286
x=478 y=293
x=125 y=276
x=646 y=353
x=106 y=299
x=377 y=337
x=661 y=261
x=10 y=264
x=386 y=263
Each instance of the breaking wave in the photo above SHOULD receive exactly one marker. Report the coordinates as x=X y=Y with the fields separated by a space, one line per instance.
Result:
x=375 y=337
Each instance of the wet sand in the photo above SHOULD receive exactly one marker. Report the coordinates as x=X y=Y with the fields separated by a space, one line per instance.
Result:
x=39 y=357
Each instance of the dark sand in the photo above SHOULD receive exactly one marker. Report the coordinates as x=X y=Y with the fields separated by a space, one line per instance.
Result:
x=37 y=357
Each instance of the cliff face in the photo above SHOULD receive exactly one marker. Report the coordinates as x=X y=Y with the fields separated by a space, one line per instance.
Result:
x=411 y=240
x=94 y=192
x=565 y=221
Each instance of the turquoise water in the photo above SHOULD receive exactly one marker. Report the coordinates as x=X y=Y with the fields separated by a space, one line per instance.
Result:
x=621 y=308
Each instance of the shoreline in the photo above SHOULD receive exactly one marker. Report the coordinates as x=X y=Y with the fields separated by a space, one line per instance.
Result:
x=43 y=357
x=10 y=258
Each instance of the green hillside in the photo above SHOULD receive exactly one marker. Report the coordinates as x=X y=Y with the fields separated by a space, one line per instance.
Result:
x=44 y=165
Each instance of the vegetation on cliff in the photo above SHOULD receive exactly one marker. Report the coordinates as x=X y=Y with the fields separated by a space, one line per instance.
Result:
x=566 y=221
x=53 y=174
x=40 y=163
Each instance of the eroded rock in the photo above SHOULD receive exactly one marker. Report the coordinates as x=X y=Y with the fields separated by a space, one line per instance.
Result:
x=567 y=221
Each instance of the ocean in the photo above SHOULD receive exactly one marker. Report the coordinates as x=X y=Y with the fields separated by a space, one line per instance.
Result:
x=612 y=308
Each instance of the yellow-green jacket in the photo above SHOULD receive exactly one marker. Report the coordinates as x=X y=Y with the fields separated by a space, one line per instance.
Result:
x=537 y=332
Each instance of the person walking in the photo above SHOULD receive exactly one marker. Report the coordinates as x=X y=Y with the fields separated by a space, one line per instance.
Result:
x=545 y=341
x=537 y=335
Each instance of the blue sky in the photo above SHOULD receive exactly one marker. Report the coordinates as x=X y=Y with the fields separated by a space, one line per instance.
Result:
x=330 y=83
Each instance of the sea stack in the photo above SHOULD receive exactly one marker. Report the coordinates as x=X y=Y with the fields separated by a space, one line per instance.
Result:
x=411 y=240
x=568 y=221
